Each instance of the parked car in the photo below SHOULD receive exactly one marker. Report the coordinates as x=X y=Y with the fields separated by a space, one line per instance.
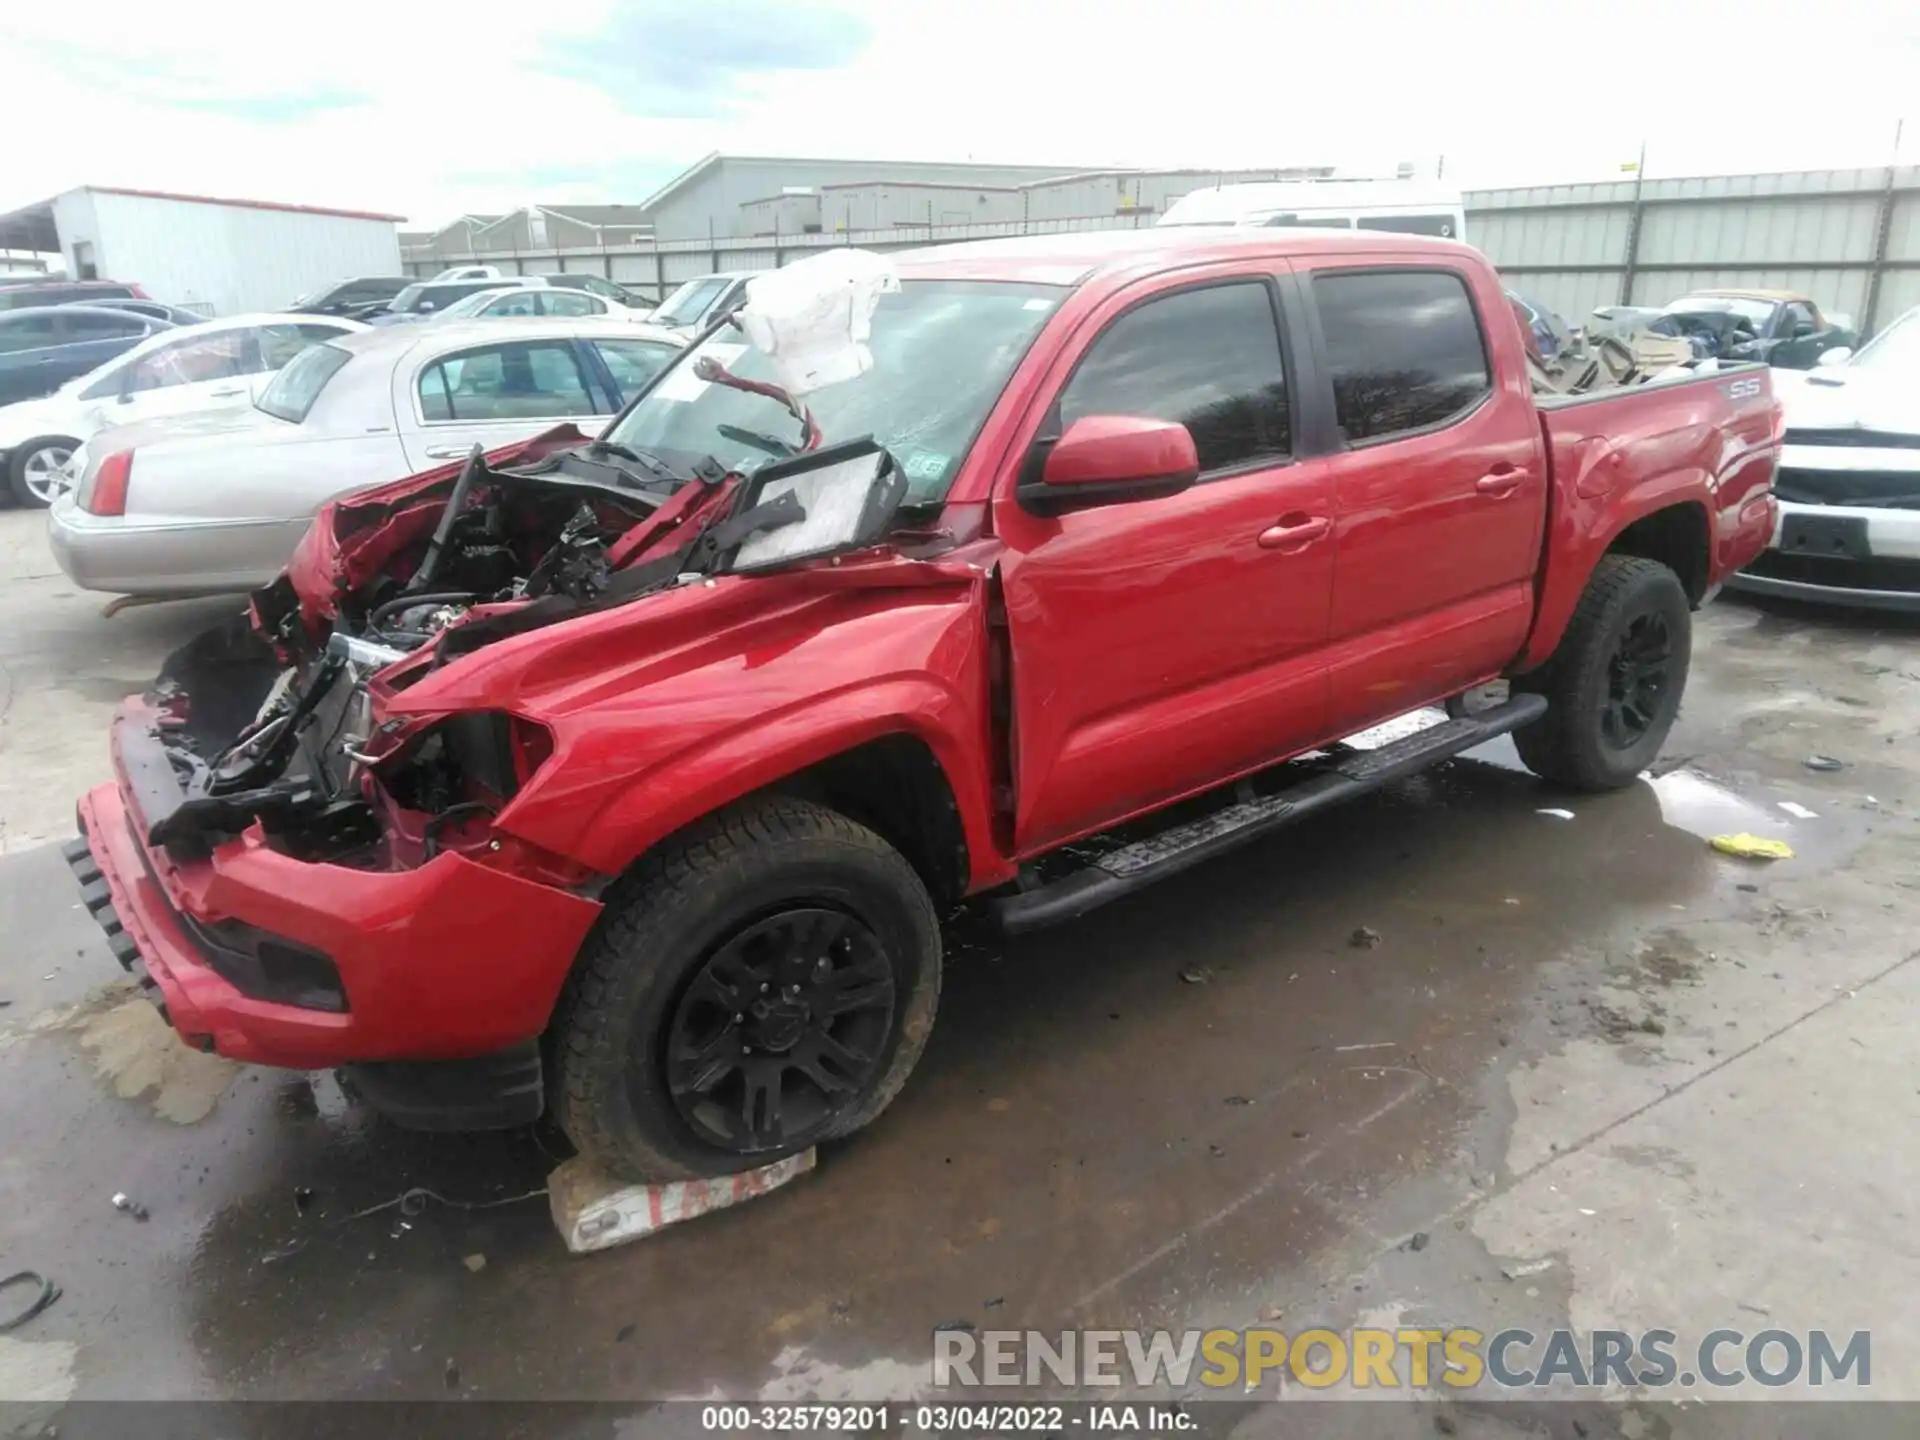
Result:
x=153 y=309
x=41 y=291
x=40 y=350
x=1777 y=327
x=522 y=301
x=466 y=272
x=212 y=365
x=425 y=298
x=605 y=289
x=216 y=501
x=644 y=770
x=698 y=303
x=1849 y=479
x=349 y=296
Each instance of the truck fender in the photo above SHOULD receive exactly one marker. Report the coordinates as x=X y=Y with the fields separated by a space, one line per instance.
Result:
x=1592 y=526
x=697 y=781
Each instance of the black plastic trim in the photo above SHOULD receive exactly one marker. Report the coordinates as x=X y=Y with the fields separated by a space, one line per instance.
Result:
x=487 y=1092
x=1184 y=846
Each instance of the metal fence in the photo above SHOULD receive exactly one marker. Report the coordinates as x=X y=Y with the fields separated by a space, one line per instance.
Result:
x=1848 y=238
x=653 y=268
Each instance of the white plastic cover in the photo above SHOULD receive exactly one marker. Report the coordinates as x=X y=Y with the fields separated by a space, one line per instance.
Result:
x=812 y=319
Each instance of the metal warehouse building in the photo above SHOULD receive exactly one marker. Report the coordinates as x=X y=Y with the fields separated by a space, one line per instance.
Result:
x=217 y=257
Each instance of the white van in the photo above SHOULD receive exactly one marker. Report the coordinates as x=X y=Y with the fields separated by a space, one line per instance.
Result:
x=1403 y=207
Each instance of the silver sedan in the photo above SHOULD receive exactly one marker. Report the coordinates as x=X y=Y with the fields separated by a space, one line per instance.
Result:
x=208 y=503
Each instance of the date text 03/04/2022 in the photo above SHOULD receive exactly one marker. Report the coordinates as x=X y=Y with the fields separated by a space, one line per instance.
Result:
x=1034 y=1419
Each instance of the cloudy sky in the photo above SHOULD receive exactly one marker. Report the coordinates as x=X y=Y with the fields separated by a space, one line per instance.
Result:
x=429 y=110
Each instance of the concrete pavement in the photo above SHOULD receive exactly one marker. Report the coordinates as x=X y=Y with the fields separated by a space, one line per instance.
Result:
x=1683 y=1081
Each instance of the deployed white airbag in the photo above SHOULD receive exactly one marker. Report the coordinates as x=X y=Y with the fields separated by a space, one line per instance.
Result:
x=812 y=319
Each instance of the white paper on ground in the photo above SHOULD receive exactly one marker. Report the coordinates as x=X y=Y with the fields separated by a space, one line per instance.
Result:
x=594 y=1211
x=1797 y=810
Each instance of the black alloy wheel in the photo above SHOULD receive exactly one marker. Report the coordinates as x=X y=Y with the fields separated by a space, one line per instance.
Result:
x=781 y=1029
x=1637 y=676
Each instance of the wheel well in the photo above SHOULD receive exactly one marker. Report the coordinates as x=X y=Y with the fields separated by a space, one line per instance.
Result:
x=1678 y=538
x=895 y=787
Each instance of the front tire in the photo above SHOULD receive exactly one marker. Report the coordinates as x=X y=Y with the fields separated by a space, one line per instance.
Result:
x=33 y=469
x=1615 y=682
x=765 y=982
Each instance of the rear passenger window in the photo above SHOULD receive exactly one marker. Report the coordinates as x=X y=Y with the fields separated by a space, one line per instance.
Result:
x=1403 y=347
x=1207 y=358
x=527 y=381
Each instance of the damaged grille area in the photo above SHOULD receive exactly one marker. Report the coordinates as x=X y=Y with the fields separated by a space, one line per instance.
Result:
x=1888 y=489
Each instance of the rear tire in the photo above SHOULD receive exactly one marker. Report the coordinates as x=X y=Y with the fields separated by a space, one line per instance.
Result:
x=765 y=982
x=30 y=469
x=1615 y=682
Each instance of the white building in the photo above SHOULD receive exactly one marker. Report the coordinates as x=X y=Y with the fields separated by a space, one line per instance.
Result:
x=218 y=257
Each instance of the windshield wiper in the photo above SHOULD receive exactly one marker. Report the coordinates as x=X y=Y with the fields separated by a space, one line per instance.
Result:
x=760 y=440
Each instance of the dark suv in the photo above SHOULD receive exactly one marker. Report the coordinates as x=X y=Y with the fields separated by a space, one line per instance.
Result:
x=65 y=292
x=347 y=296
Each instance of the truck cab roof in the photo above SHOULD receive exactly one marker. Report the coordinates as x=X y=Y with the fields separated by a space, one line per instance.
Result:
x=1074 y=259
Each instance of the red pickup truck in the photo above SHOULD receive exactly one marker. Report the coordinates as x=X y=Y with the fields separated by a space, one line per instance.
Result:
x=636 y=777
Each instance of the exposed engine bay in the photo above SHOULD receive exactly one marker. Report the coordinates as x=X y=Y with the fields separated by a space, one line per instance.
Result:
x=272 y=718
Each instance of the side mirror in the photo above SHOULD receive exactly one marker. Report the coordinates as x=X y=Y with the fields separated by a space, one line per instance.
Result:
x=1105 y=459
x=1838 y=355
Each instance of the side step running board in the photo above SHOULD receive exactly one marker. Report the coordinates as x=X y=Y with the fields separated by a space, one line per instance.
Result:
x=1125 y=870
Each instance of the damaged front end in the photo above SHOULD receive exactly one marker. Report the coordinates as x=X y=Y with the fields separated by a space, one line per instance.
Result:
x=275 y=718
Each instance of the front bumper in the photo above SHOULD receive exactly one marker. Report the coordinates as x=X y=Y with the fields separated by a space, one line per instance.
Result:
x=1840 y=555
x=449 y=961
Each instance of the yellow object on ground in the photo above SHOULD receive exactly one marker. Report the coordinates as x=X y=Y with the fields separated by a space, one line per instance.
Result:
x=1752 y=847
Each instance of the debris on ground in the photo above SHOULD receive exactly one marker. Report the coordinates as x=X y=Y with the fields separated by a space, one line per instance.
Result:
x=1652 y=1026
x=451 y=1375
x=1365 y=937
x=595 y=1211
x=1416 y=1242
x=1217 y=1151
x=126 y=1204
x=1370 y=1045
x=1823 y=763
x=1556 y=813
x=1531 y=1267
x=1196 y=975
x=45 y=1296
x=1236 y=1100
x=994 y=1304
x=1752 y=847
x=625 y=1333
x=1443 y=1422
x=1271 y=1312
x=475 y=1263
x=1797 y=810
x=965 y=1327
x=302 y=1198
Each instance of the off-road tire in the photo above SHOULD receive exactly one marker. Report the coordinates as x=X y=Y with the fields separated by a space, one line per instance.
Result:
x=1566 y=745
x=16 y=476
x=665 y=917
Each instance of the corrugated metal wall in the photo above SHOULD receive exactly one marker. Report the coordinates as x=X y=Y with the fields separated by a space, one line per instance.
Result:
x=229 y=259
x=1848 y=238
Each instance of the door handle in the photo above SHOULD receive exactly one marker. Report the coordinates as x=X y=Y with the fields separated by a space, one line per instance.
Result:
x=1499 y=483
x=1293 y=531
x=447 y=452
